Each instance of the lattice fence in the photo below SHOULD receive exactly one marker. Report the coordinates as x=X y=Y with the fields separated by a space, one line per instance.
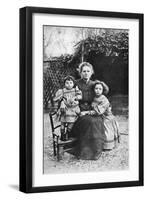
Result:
x=53 y=75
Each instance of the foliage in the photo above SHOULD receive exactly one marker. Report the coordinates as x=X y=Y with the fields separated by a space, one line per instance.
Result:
x=63 y=58
x=107 y=42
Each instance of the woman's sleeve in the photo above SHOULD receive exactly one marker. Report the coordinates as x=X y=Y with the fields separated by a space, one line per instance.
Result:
x=58 y=96
x=100 y=108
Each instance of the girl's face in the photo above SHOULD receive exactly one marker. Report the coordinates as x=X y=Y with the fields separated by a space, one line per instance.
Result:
x=86 y=73
x=98 y=89
x=69 y=84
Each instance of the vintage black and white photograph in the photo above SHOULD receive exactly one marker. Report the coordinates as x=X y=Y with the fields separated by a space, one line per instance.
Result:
x=85 y=99
x=81 y=99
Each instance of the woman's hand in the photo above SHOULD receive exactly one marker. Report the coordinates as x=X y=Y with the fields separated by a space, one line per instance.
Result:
x=84 y=113
x=92 y=112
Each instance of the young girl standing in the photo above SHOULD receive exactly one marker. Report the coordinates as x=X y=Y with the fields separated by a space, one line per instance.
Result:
x=101 y=107
x=68 y=100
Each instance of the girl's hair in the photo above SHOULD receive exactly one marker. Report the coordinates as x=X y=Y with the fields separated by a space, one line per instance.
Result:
x=69 y=78
x=83 y=64
x=105 y=87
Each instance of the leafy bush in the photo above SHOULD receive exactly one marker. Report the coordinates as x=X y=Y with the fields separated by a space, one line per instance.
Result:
x=108 y=42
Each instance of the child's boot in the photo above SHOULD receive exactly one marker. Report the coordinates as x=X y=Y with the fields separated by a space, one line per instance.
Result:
x=62 y=135
x=66 y=136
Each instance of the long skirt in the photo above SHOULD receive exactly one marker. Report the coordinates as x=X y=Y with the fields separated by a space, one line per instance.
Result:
x=89 y=131
x=111 y=132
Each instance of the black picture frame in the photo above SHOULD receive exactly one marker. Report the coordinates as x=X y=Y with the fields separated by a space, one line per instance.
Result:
x=26 y=104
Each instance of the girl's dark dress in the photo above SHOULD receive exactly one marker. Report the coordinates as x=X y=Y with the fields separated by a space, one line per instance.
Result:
x=88 y=130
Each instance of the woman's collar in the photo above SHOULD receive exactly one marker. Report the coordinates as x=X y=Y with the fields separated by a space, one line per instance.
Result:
x=86 y=81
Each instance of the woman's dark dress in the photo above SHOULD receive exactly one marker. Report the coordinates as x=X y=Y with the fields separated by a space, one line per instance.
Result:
x=88 y=130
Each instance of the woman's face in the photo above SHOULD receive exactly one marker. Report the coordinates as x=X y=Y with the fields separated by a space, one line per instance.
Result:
x=86 y=73
x=98 y=89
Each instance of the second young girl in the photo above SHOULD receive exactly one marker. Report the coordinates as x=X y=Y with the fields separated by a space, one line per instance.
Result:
x=101 y=107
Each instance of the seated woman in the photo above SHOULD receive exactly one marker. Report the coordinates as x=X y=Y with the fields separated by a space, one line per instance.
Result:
x=88 y=129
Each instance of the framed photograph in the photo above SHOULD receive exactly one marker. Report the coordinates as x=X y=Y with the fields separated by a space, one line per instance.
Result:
x=81 y=99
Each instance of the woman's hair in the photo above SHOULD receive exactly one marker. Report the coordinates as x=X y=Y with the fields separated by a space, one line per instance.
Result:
x=69 y=78
x=105 y=87
x=83 y=64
